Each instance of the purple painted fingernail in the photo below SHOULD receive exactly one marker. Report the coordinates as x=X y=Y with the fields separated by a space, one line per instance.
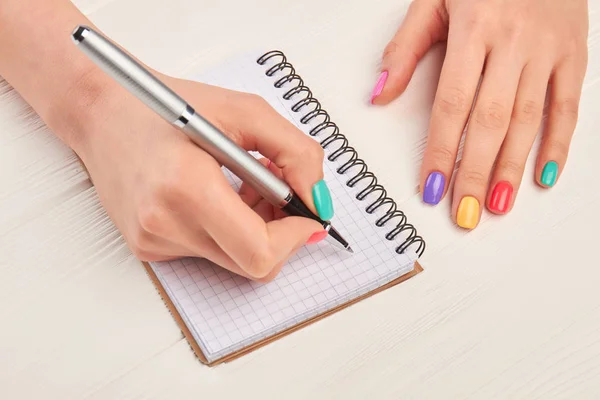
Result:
x=434 y=188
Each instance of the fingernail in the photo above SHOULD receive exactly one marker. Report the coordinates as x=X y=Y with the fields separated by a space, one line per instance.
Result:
x=501 y=196
x=379 y=85
x=434 y=188
x=549 y=174
x=317 y=237
x=468 y=212
x=322 y=199
x=269 y=164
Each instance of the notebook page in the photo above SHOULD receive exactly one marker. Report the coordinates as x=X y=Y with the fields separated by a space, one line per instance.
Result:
x=226 y=312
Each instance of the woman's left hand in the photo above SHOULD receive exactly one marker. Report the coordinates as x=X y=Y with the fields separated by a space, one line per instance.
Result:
x=519 y=47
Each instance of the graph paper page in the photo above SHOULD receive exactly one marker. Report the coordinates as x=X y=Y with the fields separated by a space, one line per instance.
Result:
x=226 y=312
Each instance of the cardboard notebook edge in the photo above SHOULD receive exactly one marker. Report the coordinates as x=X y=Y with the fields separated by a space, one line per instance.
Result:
x=198 y=351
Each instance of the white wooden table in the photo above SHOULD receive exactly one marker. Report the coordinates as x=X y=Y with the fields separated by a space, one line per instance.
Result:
x=510 y=310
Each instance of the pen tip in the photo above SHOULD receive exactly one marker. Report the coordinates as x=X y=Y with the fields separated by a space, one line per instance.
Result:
x=350 y=249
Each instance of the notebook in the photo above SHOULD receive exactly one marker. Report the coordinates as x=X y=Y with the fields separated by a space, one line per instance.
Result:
x=223 y=315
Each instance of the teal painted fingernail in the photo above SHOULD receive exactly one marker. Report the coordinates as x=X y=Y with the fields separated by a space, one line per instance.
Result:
x=549 y=174
x=322 y=199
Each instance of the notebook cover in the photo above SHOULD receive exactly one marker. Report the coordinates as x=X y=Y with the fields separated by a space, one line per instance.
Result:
x=196 y=348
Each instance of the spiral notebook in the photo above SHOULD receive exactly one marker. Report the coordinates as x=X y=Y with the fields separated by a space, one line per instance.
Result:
x=223 y=315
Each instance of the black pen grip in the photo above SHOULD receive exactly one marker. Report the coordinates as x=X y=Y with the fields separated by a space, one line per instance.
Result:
x=297 y=208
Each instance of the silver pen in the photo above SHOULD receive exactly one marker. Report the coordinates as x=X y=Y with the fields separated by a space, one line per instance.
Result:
x=166 y=103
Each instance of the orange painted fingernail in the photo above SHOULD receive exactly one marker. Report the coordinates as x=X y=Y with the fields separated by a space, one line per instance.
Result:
x=467 y=215
x=317 y=237
x=501 y=196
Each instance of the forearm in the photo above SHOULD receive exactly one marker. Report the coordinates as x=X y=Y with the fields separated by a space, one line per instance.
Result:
x=38 y=58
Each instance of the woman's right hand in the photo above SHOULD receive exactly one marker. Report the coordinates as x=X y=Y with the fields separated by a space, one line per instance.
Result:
x=170 y=199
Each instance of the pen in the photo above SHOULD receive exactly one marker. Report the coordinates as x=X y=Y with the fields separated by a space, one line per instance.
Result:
x=167 y=104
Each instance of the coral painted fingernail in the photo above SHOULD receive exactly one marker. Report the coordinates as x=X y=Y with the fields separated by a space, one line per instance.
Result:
x=549 y=174
x=434 y=188
x=322 y=199
x=317 y=237
x=501 y=196
x=379 y=85
x=468 y=212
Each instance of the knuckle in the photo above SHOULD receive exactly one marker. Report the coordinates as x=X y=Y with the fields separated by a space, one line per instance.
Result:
x=261 y=263
x=491 y=116
x=256 y=101
x=140 y=244
x=527 y=112
x=473 y=177
x=477 y=20
x=568 y=107
x=513 y=29
x=312 y=150
x=453 y=102
x=151 y=218
x=442 y=155
x=391 y=48
x=510 y=167
x=558 y=149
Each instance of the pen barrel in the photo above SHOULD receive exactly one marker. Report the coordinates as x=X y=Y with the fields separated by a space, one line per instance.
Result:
x=237 y=160
x=166 y=103
x=126 y=71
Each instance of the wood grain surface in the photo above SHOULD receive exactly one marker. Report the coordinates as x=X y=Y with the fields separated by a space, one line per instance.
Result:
x=508 y=311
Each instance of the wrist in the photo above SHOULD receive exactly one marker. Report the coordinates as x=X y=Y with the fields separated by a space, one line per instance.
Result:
x=93 y=111
x=74 y=114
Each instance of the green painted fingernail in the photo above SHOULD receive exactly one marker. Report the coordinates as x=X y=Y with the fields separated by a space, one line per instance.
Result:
x=549 y=174
x=322 y=199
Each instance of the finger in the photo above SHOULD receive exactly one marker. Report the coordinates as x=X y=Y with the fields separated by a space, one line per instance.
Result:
x=148 y=247
x=486 y=132
x=262 y=207
x=252 y=244
x=247 y=192
x=205 y=247
x=424 y=25
x=524 y=125
x=299 y=156
x=565 y=92
x=273 y=274
x=184 y=241
x=458 y=83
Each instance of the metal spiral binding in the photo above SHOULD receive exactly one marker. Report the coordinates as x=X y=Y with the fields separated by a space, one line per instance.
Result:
x=335 y=138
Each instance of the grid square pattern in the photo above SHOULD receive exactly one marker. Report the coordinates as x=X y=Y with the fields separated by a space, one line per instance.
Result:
x=226 y=312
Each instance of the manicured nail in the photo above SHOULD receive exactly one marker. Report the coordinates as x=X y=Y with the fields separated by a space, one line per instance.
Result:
x=549 y=174
x=379 y=85
x=434 y=188
x=322 y=199
x=501 y=196
x=468 y=213
x=269 y=164
x=317 y=237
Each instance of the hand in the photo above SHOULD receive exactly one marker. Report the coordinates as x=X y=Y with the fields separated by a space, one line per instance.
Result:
x=167 y=196
x=171 y=199
x=519 y=46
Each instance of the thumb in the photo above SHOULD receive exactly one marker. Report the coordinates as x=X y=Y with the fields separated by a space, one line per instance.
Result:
x=425 y=24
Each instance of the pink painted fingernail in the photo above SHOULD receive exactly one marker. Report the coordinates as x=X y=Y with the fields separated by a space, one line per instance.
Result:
x=317 y=237
x=269 y=164
x=379 y=85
